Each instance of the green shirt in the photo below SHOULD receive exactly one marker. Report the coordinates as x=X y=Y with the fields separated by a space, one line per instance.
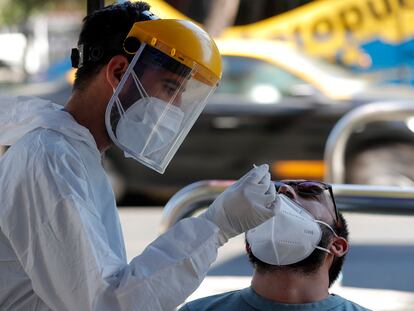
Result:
x=247 y=300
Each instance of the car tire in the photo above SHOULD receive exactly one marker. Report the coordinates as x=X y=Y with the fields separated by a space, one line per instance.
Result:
x=391 y=164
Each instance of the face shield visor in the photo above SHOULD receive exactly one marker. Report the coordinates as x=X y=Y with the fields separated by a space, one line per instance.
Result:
x=155 y=105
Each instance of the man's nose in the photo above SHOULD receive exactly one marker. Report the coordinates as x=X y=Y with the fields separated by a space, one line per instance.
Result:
x=287 y=190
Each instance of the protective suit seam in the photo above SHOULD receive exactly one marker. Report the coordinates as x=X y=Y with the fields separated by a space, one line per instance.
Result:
x=86 y=175
x=75 y=196
x=35 y=233
x=48 y=221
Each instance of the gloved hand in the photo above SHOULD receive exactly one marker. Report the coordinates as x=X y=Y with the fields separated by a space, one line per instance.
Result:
x=244 y=205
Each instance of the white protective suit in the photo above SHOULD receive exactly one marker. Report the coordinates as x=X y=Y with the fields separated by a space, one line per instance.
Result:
x=61 y=245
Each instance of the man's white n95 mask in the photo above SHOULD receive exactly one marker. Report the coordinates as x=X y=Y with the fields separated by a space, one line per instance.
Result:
x=288 y=237
x=148 y=127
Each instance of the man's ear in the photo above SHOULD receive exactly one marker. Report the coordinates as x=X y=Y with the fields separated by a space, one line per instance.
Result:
x=247 y=247
x=339 y=246
x=116 y=69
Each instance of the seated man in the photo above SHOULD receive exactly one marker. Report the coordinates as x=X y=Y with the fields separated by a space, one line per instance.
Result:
x=297 y=255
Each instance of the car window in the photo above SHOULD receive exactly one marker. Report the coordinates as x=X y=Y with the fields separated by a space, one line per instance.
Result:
x=258 y=80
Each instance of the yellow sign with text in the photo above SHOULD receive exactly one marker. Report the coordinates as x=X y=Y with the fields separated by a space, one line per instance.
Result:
x=324 y=27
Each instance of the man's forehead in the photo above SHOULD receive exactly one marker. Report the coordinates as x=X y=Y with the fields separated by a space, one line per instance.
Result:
x=163 y=73
x=320 y=207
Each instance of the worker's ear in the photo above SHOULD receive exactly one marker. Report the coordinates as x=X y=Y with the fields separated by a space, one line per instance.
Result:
x=116 y=69
x=339 y=246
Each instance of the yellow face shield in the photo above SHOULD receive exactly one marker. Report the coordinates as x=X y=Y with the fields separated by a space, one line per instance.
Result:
x=163 y=91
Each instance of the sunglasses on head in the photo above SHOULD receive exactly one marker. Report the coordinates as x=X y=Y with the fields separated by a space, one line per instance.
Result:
x=310 y=188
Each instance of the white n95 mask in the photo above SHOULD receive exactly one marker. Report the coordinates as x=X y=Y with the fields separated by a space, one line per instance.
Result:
x=288 y=237
x=148 y=127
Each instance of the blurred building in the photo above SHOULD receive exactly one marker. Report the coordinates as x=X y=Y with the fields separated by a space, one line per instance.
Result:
x=249 y=11
x=38 y=49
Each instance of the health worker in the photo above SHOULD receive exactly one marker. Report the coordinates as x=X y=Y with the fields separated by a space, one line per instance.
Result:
x=141 y=83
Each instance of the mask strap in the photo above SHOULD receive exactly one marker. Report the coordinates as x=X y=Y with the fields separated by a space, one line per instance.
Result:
x=323 y=249
x=141 y=89
x=330 y=228
x=119 y=106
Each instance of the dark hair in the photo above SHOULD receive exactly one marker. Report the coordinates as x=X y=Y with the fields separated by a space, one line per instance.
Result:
x=313 y=262
x=103 y=33
x=338 y=262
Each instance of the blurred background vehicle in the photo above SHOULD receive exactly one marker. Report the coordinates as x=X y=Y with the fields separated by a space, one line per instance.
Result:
x=276 y=103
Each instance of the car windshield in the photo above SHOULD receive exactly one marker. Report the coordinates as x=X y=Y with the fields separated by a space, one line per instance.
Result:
x=255 y=79
x=334 y=70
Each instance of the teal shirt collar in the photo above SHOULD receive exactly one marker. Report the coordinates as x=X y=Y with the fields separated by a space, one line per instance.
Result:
x=261 y=303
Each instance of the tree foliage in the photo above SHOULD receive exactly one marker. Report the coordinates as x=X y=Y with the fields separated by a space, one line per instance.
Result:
x=15 y=12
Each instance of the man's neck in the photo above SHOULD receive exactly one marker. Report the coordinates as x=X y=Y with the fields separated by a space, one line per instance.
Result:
x=87 y=109
x=291 y=287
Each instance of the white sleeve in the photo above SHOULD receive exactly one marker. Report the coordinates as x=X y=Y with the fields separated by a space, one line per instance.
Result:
x=69 y=272
x=171 y=267
x=61 y=244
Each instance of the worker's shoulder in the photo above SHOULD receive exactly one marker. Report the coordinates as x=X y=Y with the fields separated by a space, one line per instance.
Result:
x=41 y=148
x=44 y=141
x=225 y=301
x=50 y=139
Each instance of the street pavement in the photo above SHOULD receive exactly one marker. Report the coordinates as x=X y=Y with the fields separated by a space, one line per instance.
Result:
x=377 y=273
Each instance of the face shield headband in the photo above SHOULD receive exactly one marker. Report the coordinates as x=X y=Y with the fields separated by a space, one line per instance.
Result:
x=94 y=52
